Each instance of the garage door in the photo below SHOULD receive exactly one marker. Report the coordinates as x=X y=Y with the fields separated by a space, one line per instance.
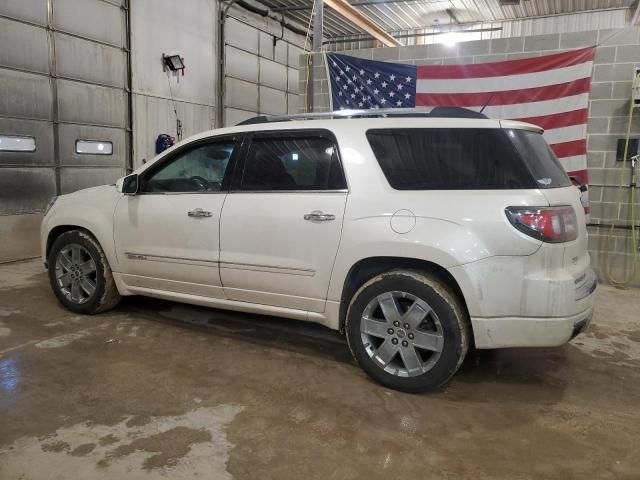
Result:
x=261 y=76
x=64 y=106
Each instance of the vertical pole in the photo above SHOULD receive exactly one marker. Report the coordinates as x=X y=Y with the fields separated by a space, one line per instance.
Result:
x=316 y=48
x=129 y=162
x=317 y=26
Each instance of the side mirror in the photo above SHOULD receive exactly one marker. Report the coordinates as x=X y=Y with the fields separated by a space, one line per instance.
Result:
x=578 y=183
x=129 y=184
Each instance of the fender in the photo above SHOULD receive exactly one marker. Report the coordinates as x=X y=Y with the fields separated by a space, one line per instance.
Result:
x=91 y=209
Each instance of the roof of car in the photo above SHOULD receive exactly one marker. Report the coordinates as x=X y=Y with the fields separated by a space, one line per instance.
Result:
x=439 y=117
x=358 y=120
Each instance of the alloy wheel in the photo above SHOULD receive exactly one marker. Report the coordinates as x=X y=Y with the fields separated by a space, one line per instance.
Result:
x=402 y=334
x=76 y=273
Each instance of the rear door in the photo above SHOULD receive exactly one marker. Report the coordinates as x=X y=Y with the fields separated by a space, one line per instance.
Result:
x=281 y=222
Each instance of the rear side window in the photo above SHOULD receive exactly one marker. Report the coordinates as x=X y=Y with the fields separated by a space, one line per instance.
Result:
x=449 y=159
x=544 y=166
x=292 y=162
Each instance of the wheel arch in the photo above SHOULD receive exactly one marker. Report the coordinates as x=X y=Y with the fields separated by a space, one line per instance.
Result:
x=55 y=233
x=369 y=267
x=59 y=230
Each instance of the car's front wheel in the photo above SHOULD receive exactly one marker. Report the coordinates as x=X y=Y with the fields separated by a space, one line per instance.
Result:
x=80 y=275
x=407 y=330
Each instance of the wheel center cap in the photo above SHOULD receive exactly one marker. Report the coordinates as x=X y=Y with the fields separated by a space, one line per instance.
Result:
x=401 y=333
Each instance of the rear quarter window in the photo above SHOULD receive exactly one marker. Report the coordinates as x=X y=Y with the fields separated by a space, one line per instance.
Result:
x=540 y=159
x=449 y=159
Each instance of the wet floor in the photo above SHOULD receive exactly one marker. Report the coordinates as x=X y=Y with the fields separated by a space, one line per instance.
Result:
x=162 y=390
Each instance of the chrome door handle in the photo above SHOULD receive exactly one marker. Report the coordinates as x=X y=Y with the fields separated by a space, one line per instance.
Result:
x=198 y=213
x=318 y=216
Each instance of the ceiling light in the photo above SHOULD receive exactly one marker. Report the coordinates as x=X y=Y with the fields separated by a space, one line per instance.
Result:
x=449 y=38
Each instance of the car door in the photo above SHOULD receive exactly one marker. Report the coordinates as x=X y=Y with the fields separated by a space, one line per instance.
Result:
x=281 y=222
x=167 y=235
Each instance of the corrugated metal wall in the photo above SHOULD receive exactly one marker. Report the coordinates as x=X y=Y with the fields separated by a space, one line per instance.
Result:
x=63 y=78
x=260 y=77
x=189 y=29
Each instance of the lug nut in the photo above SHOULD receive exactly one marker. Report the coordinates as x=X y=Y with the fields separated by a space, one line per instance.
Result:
x=394 y=341
x=405 y=343
x=407 y=326
x=396 y=323
x=411 y=336
x=390 y=331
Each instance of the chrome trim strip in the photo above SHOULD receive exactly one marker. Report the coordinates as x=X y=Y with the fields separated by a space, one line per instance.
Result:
x=178 y=260
x=344 y=190
x=229 y=265
x=216 y=192
x=268 y=269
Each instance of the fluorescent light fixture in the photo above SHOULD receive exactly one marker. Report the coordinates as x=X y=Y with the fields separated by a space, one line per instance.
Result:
x=94 y=147
x=17 y=143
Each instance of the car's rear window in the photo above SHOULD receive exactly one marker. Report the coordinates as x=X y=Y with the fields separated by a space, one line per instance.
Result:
x=459 y=158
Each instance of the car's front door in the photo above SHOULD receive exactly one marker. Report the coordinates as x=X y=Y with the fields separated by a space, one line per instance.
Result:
x=281 y=222
x=167 y=235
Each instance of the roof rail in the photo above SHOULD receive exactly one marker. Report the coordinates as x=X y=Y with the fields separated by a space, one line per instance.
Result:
x=441 y=112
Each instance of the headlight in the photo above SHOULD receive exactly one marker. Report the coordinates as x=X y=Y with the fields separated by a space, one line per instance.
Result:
x=49 y=205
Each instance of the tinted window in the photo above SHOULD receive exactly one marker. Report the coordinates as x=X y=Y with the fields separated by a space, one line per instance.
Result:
x=199 y=169
x=449 y=159
x=296 y=162
x=544 y=166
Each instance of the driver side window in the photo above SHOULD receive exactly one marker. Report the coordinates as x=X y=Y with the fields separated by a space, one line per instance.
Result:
x=198 y=169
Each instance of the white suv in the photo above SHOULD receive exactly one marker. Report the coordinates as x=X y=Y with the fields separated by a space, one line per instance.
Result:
x=415 y=234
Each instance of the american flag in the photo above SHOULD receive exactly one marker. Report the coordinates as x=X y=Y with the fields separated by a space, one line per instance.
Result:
x=551 y=91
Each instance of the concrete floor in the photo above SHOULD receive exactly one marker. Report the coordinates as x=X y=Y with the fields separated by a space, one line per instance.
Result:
x=162 y=390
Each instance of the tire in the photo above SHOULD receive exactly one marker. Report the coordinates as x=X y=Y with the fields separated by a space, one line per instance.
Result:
x=77 y=257
x=427 y=343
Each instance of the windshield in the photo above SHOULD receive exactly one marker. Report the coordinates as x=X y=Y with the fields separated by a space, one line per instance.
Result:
x=542 y=162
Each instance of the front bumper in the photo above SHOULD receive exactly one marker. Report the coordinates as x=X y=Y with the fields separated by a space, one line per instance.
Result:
x=504 y=332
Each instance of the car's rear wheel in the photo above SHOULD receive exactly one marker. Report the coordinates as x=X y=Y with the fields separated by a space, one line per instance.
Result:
x=407 y=330
x=80 y=275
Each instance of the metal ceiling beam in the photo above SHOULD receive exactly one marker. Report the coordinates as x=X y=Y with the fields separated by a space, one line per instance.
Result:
x=359 y=19
x=362 y=38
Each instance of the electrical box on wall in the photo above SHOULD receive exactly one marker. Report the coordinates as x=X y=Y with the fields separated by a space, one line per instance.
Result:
x=632 y=149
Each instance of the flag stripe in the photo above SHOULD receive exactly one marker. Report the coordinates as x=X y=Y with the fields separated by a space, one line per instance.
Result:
x=545 y=107
x=574 y=163
x=558 y=120
x=505 y=97
x=510 y=82
x=510 y=67
x=565 y=134
x=570 y=149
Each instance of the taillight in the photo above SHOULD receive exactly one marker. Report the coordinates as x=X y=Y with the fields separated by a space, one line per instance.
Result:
x=549 y=224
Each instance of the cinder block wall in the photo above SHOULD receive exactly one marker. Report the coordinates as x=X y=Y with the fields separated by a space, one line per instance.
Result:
x=617 y=53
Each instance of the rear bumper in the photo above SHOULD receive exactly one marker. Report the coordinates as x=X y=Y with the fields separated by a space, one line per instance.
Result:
x=503 y=332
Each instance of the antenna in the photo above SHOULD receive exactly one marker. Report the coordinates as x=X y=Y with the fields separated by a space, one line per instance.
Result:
x=487 y=102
